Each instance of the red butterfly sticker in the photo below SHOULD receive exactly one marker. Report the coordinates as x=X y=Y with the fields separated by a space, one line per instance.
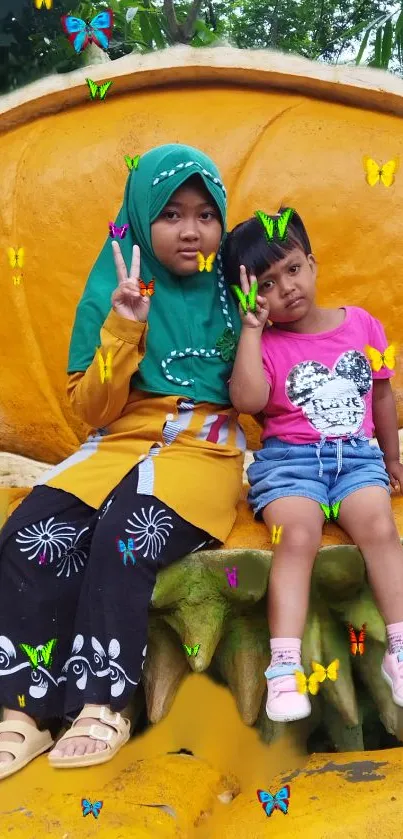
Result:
x=147 y=289
x=357 y=639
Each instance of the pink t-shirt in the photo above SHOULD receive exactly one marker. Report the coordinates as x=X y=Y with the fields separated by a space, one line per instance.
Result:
x=321 y=385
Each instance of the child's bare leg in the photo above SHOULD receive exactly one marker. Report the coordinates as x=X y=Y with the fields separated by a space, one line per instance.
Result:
x=287 y=601
x=366 y=515
x=293 y=559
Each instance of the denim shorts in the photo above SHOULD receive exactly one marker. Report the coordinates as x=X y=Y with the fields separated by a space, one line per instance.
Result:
x=282 y=469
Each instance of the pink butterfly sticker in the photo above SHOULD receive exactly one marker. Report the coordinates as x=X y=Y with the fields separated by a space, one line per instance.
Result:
x=42 y=559
x=115 y=231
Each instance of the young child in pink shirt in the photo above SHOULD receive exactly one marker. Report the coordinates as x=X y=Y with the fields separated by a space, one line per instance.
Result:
x=321 y=378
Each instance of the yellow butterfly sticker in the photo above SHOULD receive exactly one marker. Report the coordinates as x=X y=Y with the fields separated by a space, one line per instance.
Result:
x=16 y=257
x=305 y=683
x=374 y=173
x=331 y=672
x=205 y=263
x=385 y=359
x=40 y=3
x=17 y=279
x=276 y=534
x=311 y=683
x=105 y=367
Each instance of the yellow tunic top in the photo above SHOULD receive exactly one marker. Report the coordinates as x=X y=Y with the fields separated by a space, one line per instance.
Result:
x=190 y=457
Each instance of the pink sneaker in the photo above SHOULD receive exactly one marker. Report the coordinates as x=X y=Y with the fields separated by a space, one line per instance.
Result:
x=392 y=672
x=284 y=702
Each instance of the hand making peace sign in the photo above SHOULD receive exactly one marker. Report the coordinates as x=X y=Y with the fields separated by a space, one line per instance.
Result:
x=126 y=299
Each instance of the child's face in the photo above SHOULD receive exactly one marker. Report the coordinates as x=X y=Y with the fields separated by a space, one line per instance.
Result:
x=286 y=281
x=190 y=222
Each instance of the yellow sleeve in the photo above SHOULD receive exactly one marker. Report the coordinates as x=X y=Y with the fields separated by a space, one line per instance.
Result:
x=97 y=403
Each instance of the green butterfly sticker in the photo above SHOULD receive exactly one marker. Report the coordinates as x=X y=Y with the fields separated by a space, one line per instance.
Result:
x=247 y=301
x=98 y=89
x=331 y=513
x=41 y=653
x=270 y=224
x=192 y=650
x=227 y=345
x=132 y=162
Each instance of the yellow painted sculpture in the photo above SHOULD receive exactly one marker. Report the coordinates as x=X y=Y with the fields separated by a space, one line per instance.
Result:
x=283 y=131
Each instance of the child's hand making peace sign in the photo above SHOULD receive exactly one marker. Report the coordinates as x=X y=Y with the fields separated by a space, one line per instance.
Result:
x=253 y=319
x=126 y=299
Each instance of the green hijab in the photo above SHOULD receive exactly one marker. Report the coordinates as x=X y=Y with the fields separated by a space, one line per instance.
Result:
x=193 y=321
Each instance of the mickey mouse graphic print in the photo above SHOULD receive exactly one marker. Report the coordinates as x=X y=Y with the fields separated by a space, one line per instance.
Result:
x=321 y=384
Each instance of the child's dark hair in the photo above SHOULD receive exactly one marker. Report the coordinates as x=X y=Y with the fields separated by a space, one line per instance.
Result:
x=248 y=245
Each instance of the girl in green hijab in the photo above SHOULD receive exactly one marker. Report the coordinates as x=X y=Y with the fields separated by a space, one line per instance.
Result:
x=150 y=357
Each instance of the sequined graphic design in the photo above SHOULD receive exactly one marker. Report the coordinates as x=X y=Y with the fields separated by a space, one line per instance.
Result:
x=332 y=400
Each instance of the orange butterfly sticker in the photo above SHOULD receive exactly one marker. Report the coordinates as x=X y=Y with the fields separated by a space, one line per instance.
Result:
x=357 y=639
x=147 y=289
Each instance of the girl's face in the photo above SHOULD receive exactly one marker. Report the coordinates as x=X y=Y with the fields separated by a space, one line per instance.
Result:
x=190 y=222
x=289 y=287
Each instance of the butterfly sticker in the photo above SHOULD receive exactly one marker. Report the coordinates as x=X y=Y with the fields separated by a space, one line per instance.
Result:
x=311 y=683
x=276 y=534
x=105 y=367
x=247 y=301
x=127 y=552
x=91 y=808
x=97 y=31
x=378 y=359
x=132 y=162
x=17 y=279
x=117 y=232
x=375 y=174
x=306 y=683
x=16 y=257
x=47 y=3
x=357 y=639
x=147 y=289
x=271 y=225
x=42 y=559
x=192 y=650
x=41 y=653
x=331 y=512
x=279 y=801
x=21 y=700
x=98 y=89
x=232 y=577
x=205 y=263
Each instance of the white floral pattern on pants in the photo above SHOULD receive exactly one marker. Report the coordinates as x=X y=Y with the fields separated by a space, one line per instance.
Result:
x=102 y=665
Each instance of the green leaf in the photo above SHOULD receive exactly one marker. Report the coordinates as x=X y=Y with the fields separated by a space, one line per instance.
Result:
x=399 y=23
x=362 y=47
x=378 y=48
x=387 y=44
x=145 y=28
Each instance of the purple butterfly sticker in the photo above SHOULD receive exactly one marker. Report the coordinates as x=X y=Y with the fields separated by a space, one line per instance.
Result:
x=115 y=231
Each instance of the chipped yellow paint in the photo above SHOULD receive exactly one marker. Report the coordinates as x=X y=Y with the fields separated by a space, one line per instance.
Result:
x=341 y=796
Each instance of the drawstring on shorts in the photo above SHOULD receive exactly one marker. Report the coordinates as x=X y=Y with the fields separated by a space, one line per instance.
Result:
x=339 y=449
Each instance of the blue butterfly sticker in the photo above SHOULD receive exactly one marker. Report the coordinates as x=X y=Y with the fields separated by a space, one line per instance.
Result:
x=97 y=31
x=279 y=801
x=127 y=552
x=91 y=808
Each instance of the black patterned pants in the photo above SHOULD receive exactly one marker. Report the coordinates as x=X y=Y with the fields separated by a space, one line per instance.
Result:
x=75 y=586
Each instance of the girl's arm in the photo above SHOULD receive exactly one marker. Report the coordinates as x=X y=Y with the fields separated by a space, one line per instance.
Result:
x=123 y=346
x=249 y=389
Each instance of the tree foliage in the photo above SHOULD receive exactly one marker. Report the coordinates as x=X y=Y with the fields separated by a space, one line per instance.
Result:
x=33 y=45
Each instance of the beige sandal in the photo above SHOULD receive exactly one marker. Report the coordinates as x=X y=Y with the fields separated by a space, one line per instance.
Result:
x=34 y=743
x=115 y=739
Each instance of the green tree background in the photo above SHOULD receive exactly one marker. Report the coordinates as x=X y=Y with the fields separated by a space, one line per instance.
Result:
x=33 y=45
